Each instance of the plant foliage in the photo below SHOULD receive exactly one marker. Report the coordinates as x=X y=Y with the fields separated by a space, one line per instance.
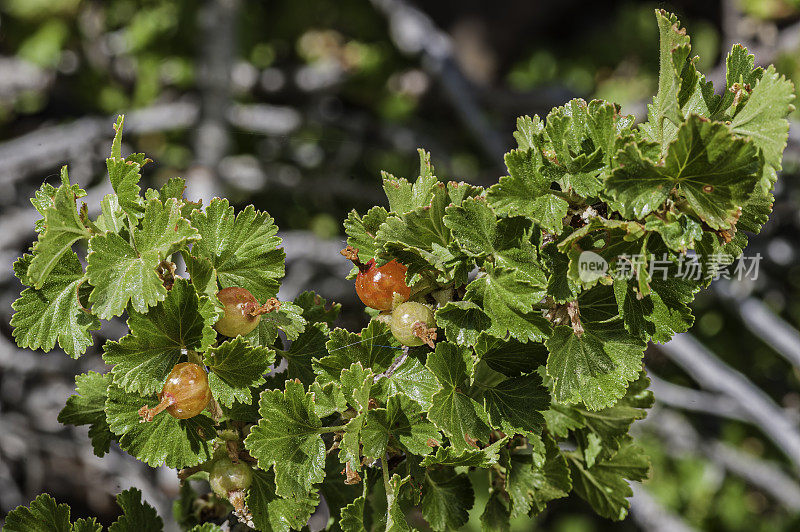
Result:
x=536 y=375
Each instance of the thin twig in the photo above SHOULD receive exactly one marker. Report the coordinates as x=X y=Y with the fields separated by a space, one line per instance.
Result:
x=715 y=375
x=680 y=438
x=651 y=515
x=414 y=32
x=695 y=400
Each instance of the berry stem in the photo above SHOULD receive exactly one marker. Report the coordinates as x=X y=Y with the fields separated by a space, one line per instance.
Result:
x=147 y=414
x=351 y=254
x=187 y=472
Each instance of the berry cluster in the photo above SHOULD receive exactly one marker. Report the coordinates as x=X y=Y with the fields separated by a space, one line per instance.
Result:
x=384 y=288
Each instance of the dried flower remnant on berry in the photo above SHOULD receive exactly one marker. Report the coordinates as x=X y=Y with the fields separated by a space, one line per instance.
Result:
x=185 y=394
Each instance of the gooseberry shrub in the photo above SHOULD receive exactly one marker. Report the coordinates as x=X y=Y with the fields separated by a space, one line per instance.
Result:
x=490 y=347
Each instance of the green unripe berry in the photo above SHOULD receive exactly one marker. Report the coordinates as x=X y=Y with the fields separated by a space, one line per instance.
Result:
x=226 y=477
x=404 y=318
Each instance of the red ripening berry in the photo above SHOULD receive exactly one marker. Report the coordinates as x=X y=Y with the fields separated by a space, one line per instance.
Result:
x=376 y=286
x=184 y=395
x=242 y=311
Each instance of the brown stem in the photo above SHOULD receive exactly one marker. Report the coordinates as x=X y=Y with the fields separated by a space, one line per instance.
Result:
x=232 y=447
x=187 y=472
x=351 y=254
x=147 y=414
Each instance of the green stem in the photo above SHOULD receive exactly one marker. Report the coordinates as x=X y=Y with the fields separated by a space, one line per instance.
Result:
x=194 y=357
x=130 y=230
x=325 y=430
x=570 y=198
x=385 y=469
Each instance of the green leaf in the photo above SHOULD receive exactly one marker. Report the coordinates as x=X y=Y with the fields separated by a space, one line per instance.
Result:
x=174 y=188
x=532 y=480
x=594 y=368
x=203 y=276
x=460 y=417
x=125 y=173
x=508 y=356
x=474 y=226
x=166 y=440
x=612 y=424
x=242 y=248
x=288 y=318
x=136 y=514
x=405 y=197
x=713 y=170
x=236 y=367
x=112 y=217
x=507 y=297
x=124 y=176
x=561 y=419
x=678 y=231
x=515 y=404
x=328 y=398
x=44 y=198
x=356 y=384
x=662 y=313
x=42 y=514
x=605 y=485
x=400 y=423
x=462 y=321
x=496 y=514
x=62 y=228
x=506 y=242
x=87 y=525
x=514 y=194
x=116 y=144
x=143 y=359
x=373 y=347
x=453 y=457
x=288 y=438
x=88 y=407
x=419 y=238
x=559 y=285
x=550 y=211
x=316 y=308
x=412 y=379
x=583 y=138
x=206 y=527
x=447 y=500
x=121 y=271
x=664 y=114
x=350 y=446
x=361 y=231
x=614 y=241
x=273 y=513
x=309 y=345
x=353 y=518
x=53 y=312
x=395 y=517
x=763 y=117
